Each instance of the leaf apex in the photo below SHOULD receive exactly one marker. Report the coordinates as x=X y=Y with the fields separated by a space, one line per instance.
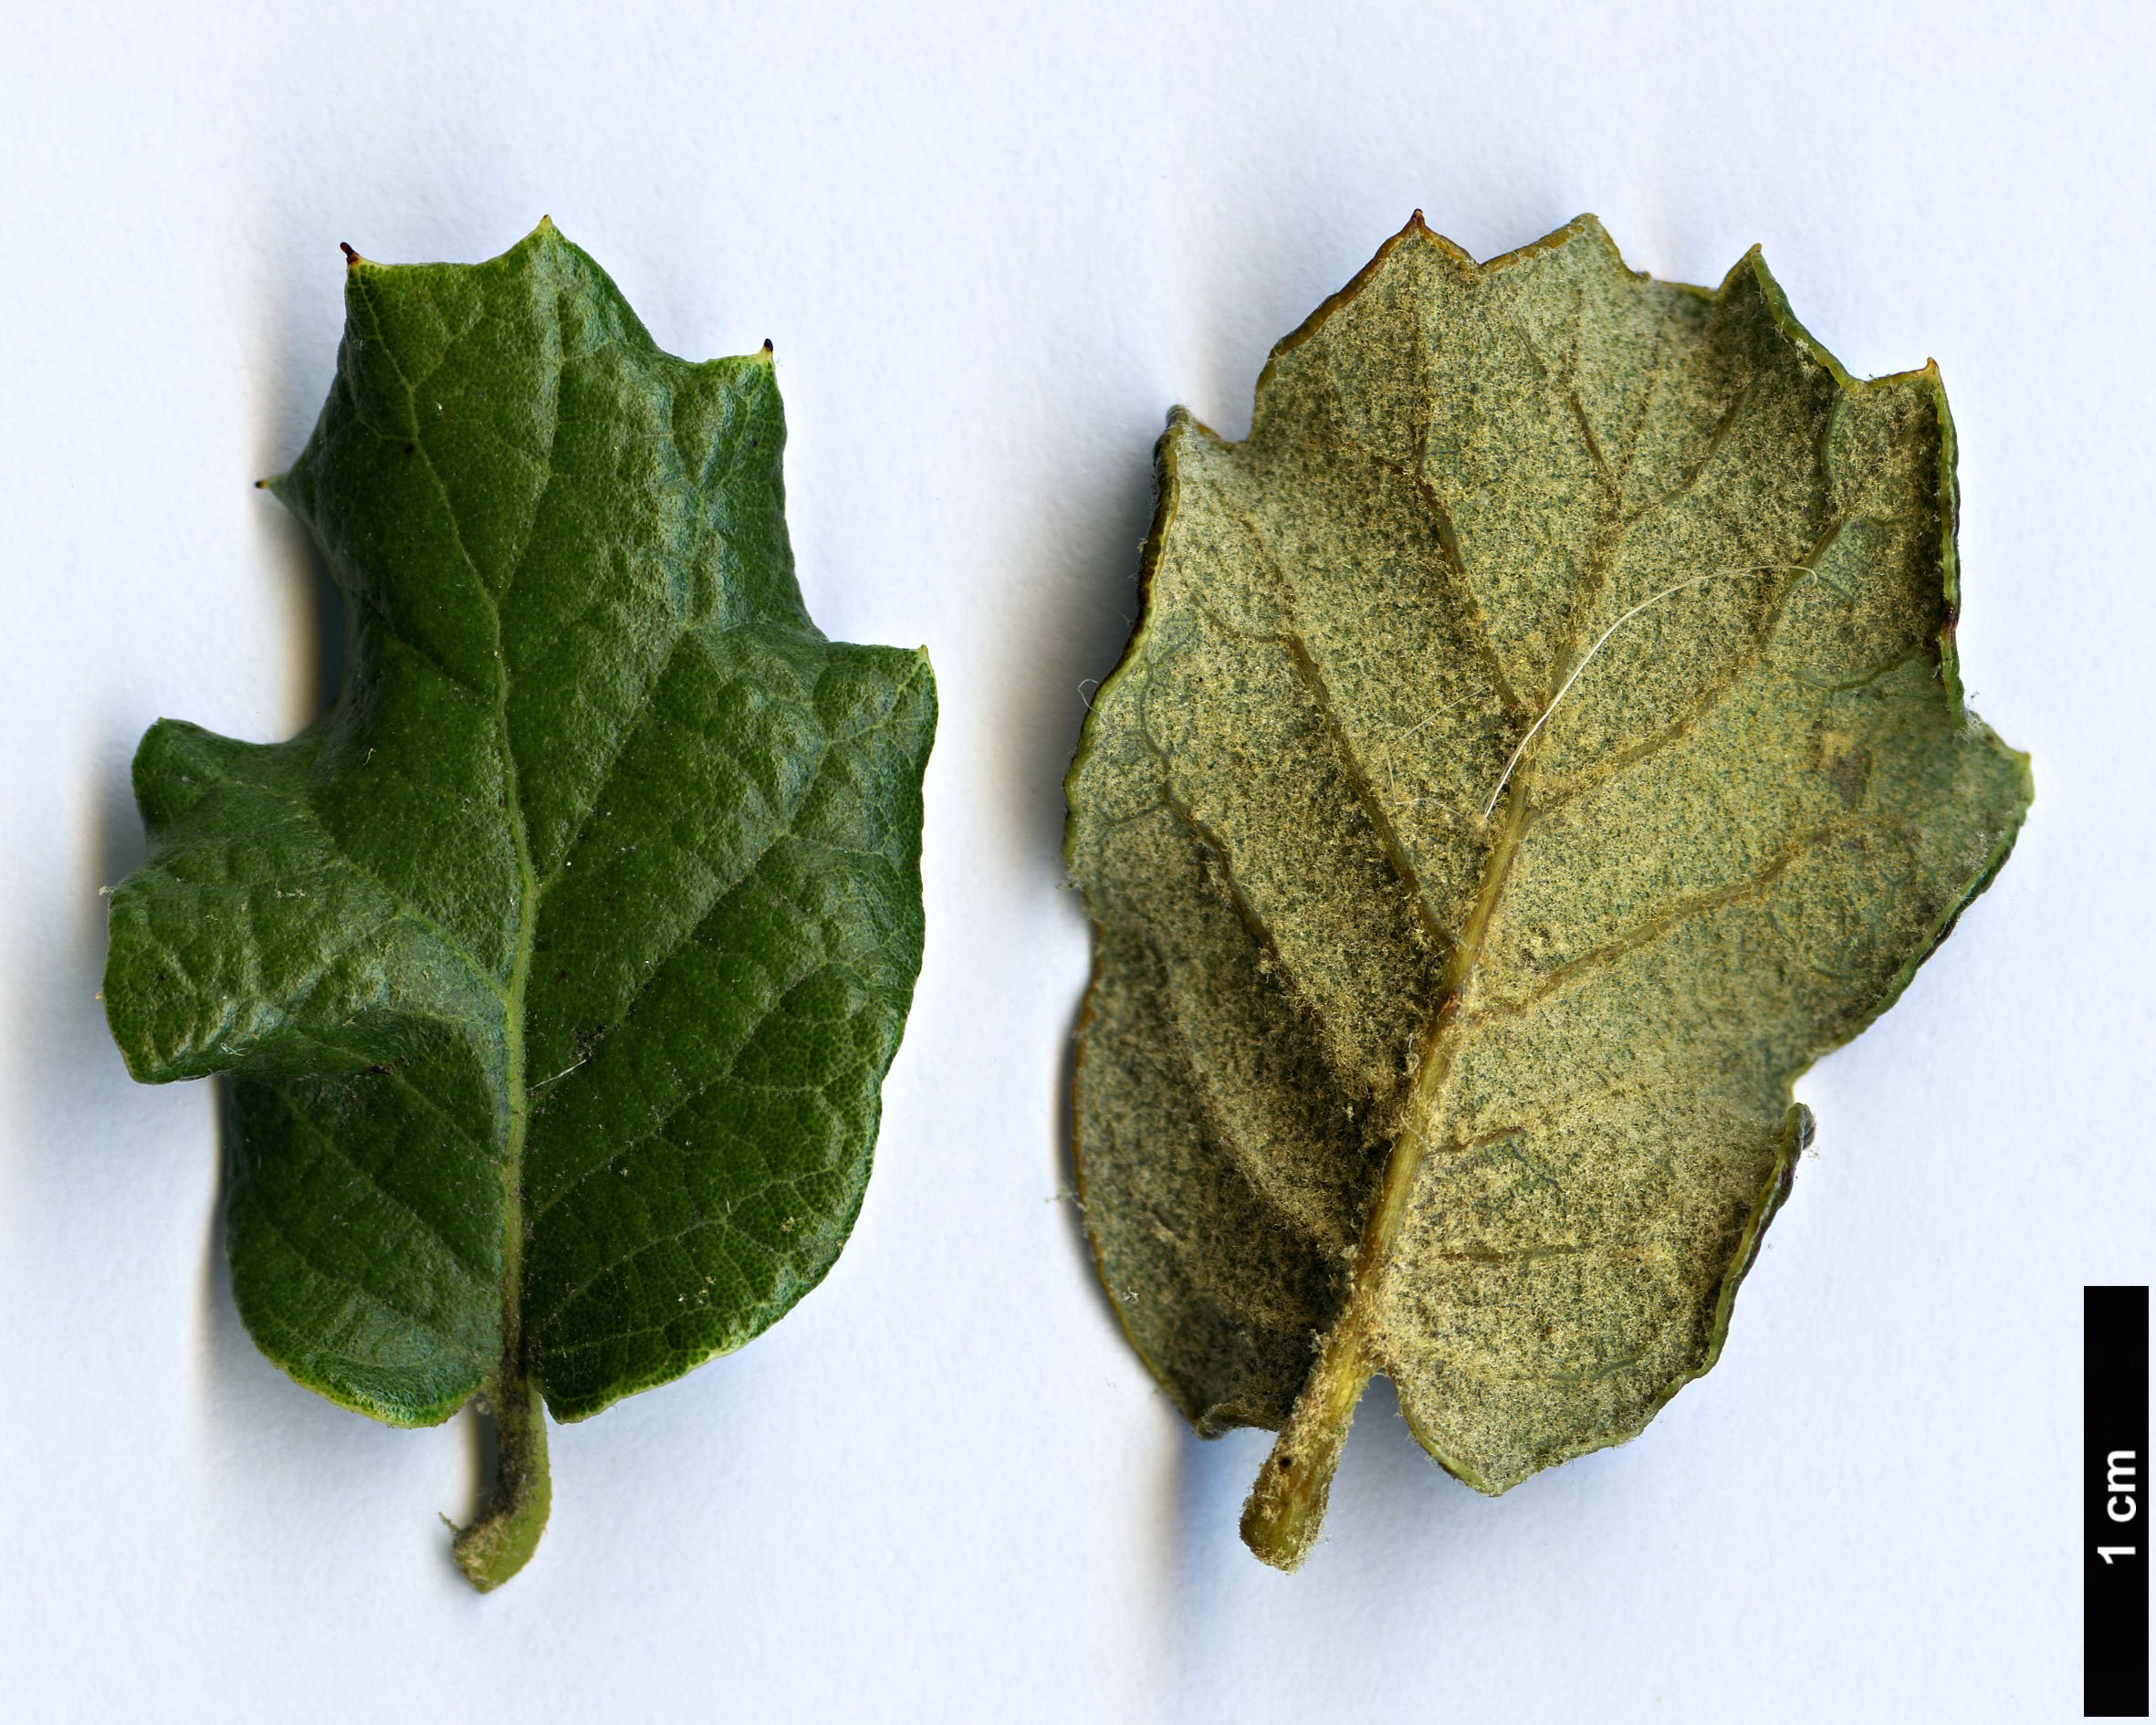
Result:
x=543 y=235
x=1417 y=227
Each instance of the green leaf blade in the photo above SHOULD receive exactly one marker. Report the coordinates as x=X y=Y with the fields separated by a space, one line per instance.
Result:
x=365 y=1234
x=789 y=894
x=559 y=965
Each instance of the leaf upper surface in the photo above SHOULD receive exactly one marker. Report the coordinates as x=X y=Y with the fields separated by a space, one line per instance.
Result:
x=1410 y=1049
x=558 y=964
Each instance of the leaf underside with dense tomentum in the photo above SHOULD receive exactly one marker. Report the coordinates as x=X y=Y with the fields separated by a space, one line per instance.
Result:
x=1413 y=1050
x=558 y=965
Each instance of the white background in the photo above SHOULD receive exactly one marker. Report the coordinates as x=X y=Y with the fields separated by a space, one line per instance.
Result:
x=994 y=245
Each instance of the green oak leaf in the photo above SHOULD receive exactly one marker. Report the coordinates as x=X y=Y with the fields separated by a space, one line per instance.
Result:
x=1542 y=741
x=558 y=965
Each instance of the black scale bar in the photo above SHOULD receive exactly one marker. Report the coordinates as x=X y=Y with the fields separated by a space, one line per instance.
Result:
x=2115 y=1503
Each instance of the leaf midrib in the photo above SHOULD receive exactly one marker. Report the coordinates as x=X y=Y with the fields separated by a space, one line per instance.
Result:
x=509 y=1372
x=1348 y=1352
